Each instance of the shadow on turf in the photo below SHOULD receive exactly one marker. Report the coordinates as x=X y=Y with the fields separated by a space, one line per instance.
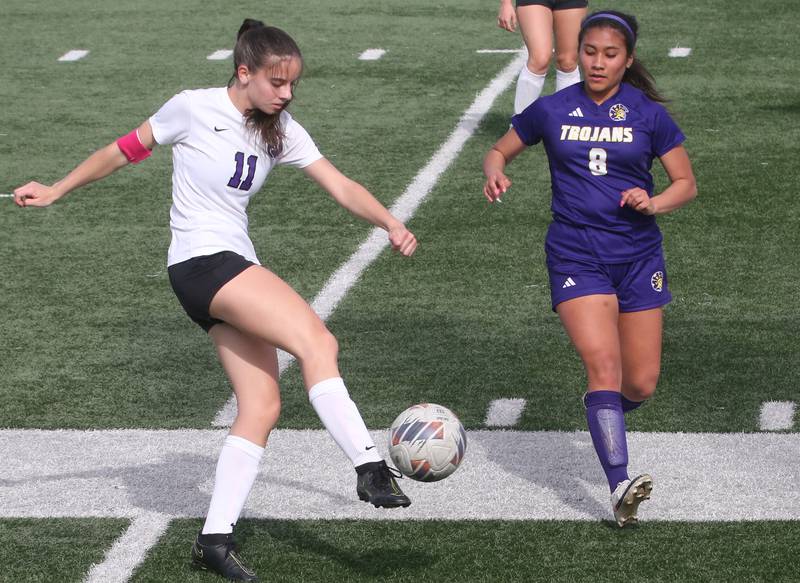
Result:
x=172 y=486
x=373 y=562
x=563 y=466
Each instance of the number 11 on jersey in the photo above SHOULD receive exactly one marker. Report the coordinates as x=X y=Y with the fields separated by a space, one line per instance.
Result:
x=236 y=180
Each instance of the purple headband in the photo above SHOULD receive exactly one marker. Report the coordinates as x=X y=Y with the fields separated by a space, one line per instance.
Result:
x=613 y=17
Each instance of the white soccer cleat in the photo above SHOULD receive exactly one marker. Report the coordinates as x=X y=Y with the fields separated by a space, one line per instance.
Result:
x=627 y=496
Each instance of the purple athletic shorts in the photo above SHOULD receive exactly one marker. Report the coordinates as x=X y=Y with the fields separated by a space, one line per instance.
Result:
x=638 y=285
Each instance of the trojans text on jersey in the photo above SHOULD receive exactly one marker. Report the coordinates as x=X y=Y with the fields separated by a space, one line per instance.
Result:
x=596 y=134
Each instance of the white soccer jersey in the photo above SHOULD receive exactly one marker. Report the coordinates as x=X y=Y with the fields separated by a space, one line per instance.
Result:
x=217 y=166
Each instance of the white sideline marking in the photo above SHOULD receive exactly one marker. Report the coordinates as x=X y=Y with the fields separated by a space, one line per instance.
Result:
x=4 y=195
x=404 y=208
x=504 y=412
x=517 y=475
x=73 y=55
x=680 y=52
x=219 y=55
x=371 y=55
x=777 y=415
x=129 y=550
x=490 y=51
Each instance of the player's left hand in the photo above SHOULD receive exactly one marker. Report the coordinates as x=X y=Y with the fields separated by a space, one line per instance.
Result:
x=507 y=17
x=638 y=199
x=402 y=240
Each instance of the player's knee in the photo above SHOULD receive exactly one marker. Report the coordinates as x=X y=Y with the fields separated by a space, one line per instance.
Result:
x=268 y=413
x=641 y=387
x=604 y=375
x=538 y=64
x=259 y=415
x=603 y=370
x=566 y=63
x=318 y=343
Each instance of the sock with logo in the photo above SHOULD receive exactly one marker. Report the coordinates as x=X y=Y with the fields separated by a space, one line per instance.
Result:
x=628 y=405
x=529 y=87
x=564 y=79
x=607 y=428
x=236 y=471
x=341 y=418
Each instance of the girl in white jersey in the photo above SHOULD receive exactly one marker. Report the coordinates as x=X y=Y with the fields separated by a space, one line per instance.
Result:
x=225 y=141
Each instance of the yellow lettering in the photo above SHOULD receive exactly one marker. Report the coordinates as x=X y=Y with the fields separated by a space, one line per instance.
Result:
x=573 y=133
x=564 y=130
x=628 y=135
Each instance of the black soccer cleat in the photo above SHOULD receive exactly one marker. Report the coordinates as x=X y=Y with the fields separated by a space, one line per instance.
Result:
x=376 y=484
x=219 y=554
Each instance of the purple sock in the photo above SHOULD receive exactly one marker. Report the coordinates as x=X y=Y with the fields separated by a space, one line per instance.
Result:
x=607 y=428
x=628 y=405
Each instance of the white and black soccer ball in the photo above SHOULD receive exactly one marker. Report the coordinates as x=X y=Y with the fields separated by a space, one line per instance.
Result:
x=427 y=442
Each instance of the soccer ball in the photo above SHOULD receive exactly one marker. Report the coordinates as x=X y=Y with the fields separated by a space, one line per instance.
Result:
x=427 y=442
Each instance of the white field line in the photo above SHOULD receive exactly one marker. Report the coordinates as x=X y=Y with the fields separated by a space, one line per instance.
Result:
x=129 y=550
x=505 y=475
x=6 y=195
x=371 y=55
x=504 y=412
x=500 y=51
x=404 y=208
x=219 y=55
x=680 y=52
x=73 y=55
x=776 y=415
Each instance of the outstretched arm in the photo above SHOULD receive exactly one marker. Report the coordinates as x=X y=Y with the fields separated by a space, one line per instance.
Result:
x=103 y=162
x=359 y=201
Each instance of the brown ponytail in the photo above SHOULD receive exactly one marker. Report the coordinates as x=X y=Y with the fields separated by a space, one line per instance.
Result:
x=257 y=46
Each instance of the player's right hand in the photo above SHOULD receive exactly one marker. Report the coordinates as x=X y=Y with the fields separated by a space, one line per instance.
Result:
x=35 y=194
x=507 y=17
x=496 y=185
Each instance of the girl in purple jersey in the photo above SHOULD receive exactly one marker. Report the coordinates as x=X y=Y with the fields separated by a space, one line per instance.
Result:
x=538 y=21
x=607 y=276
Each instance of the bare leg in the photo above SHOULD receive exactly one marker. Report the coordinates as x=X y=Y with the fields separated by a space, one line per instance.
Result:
x=259 y=303
x=592 y=324
x=536 y=25
x=252 y=367
x=640 y=338
x=567 y=24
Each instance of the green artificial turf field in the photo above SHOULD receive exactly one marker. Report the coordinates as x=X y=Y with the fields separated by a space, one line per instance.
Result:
x=93 y=338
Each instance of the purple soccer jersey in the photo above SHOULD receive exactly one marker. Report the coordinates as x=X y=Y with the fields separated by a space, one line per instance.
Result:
x=595 y=153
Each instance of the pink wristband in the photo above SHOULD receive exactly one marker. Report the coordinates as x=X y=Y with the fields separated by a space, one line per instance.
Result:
x=132 y=147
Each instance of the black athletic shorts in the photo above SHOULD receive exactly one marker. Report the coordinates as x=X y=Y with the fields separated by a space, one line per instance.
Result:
x=555 y=4
x=197 y=280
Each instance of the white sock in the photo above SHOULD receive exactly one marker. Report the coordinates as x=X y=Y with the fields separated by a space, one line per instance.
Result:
x=564 y=80
x=341 y=418
x=529 y=87
x=236 y=471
